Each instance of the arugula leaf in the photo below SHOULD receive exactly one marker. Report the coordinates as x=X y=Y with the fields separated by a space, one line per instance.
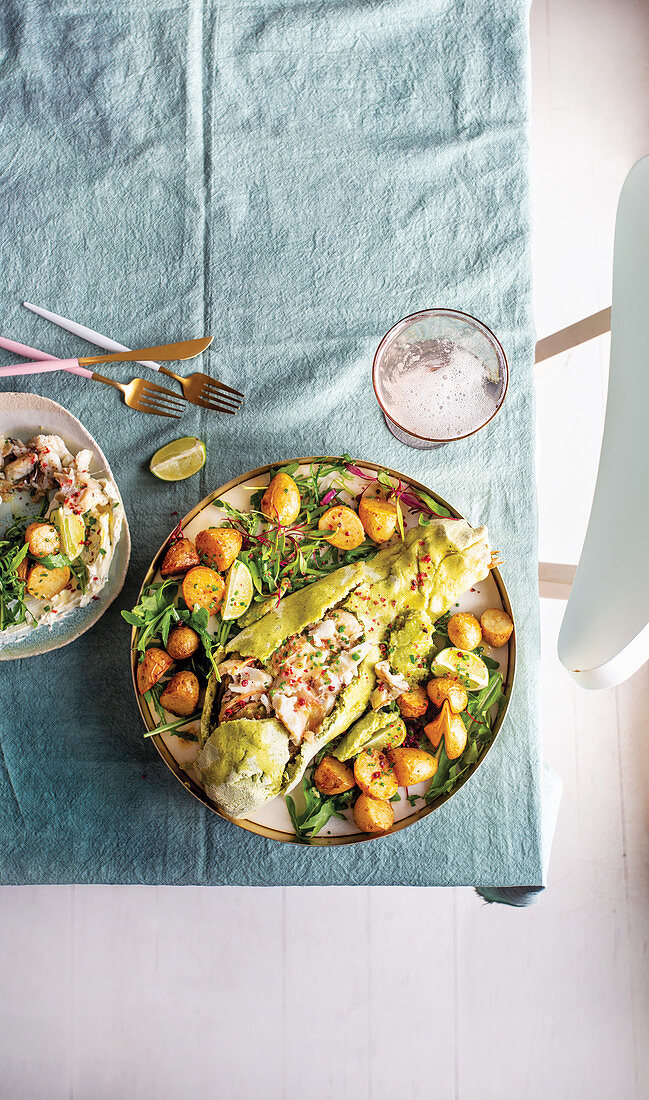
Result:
x=152 y=697
x=174 y=727
x=438 y=509
x=54 y=561
x=153 y=615
x=19 y=556
x=198 y=620
x=318 y=810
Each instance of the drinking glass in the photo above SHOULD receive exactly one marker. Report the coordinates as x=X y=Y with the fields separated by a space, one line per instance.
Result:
x=439 y=375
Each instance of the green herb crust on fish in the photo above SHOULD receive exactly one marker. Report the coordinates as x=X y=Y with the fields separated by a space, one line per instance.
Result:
x=300 y=677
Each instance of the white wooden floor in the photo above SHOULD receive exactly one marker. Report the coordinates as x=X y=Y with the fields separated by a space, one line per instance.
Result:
x=120 y=993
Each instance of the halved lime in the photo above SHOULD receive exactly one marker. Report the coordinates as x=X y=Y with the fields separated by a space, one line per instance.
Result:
x=467 y=667
x=72 y=531
x=179 y=459
x=238 y=591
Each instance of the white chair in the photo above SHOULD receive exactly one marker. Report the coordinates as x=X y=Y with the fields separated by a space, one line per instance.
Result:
x=604 y=637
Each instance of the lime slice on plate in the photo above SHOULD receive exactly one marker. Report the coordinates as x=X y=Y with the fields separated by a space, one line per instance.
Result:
x=179 y=459
x=467 y=667
x=71 y=529
x=238 y=591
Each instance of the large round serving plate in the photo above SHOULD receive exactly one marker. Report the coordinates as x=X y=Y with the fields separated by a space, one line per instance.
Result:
x=272 y=820
x=24 y=415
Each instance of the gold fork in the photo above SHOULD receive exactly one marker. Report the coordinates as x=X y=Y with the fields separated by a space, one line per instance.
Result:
x=207 y=392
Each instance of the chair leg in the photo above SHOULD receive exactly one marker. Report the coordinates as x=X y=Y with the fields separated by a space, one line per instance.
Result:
x=595 y=325
x=555 y=580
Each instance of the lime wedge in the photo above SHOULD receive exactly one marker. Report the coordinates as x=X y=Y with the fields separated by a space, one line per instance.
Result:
x=179 y=459
x=72 y=531
x=238 y=591
x=467 y=667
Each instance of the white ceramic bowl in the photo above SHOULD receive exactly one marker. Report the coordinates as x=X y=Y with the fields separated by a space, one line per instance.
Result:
x=23 y=415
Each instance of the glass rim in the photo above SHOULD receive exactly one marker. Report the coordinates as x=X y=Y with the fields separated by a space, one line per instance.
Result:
x=456 y=313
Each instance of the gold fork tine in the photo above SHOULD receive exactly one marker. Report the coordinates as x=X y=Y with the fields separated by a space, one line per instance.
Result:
x=205 y=391
x=214 y=407
x=155 y=411
x=222 y=386
x=226 y=395
x=146 y=396
x=150 y=403
x=213 y=395
x=163 y=389
x=163 y=397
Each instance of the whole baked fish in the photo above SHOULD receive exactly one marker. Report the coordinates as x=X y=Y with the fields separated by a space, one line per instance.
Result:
x=351 y=642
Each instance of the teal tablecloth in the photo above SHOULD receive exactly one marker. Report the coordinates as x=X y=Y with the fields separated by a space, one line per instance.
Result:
x=291 y=177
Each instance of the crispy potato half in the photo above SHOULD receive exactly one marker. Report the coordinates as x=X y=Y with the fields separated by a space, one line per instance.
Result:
x=45 y=583
x=180 y=557
x=497 y=627
x=182 y=643
x=219 y=546
x=446 y=689
x=413 y=703
x=152 y=668
x=412 y=765
x=373 y=815
x=42 y=539
x=181 y=693
x=451 y=727
x=203 y=587
x=333 y=777
x=374 y=774
x=281 y=501
x=378 y=516
x=464 y=631
x=347 y=529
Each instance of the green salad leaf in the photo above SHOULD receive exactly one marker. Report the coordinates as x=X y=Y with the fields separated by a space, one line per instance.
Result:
x=13 y=550
x=155 y=613
x=318 y=809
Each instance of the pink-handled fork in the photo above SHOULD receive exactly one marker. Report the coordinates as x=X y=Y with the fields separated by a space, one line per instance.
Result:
x=16 y=369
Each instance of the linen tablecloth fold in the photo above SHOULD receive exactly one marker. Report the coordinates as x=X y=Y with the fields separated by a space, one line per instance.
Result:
x=291 y=178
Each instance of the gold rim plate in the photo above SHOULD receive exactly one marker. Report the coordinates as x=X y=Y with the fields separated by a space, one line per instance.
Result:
x=264 y=830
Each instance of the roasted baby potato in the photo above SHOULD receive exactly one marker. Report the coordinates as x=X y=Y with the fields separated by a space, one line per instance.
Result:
x=180 y=557
x=44 y=583
x=151 y=668
x=464 y=631
x=374 y=774
x=413 y=703
x=181 y=693
x=496 y=626
x=412 y=766
x=451 y=727
x=348 y=532
x=281 y=501
x=333 y=777
x=202 y=587
x=446 y=688
x=379 y=518
x=43 y=539
x=182 y=643
x=219 y=546
x=373 y=815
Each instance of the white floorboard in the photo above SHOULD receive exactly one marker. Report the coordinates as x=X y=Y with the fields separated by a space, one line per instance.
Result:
x=157 y=994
